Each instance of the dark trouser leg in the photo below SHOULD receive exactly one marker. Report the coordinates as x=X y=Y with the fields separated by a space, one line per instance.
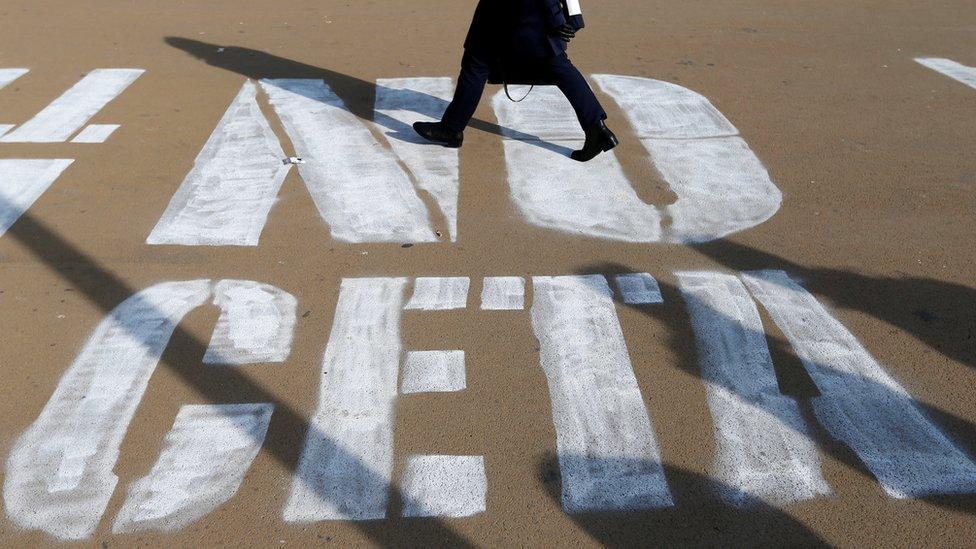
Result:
x=467 y=95
x=575 y=87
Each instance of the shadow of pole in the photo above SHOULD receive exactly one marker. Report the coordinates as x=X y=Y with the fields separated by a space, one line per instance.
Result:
x=697 y=520
x=106 y=291
x=942 y=315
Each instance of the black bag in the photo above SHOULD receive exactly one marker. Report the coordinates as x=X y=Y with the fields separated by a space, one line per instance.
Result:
x=523 y=71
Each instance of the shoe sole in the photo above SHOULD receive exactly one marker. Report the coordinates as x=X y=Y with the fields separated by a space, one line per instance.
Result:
x=448 y=144
x=605 y=148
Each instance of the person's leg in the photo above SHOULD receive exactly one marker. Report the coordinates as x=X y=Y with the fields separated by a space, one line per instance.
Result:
x=471 y=84
x=591 y=115
x=577 y=90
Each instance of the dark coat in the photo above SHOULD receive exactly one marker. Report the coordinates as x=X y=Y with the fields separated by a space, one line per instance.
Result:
x=521 y=28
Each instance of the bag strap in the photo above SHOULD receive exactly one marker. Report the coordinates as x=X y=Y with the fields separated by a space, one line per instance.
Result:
x=523 y=97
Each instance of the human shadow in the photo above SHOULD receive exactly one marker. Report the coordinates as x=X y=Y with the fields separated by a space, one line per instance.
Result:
x=357 y=95
x=793 y=379
x=696 y=520
x=939 y=314
x=106 y=290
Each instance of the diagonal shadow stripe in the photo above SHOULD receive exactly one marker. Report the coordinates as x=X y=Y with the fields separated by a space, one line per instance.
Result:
x=106 y=291
x=962 y=431
x=939 y=314
x=358 y=95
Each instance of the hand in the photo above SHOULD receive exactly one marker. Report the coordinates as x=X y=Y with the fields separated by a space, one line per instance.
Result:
x=565 y=33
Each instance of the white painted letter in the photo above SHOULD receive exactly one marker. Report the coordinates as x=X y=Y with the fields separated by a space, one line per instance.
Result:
x=948 y=67
x=9 y=75
x=553 y=191
x=68 y=113
x=444 y=486
x=721 y=186
x=860 y=404
x=503 y=293
x=345 y=468
x=226 y=197
x=399 y=103
x=256 y=324
x=435 y=293
x=23 y=181
x=357 y=184
x=638 y=289
x=59 y=476
x=763 y=446
x=608 y=455
x=202 y=465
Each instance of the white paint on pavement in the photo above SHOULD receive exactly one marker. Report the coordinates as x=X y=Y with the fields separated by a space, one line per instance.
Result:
x=69 y=112
x=763 y=449
x=399 y=103
x=721 y=186
x=9 y=75
x=638 y=289
x=439 y=293
x=205 y=456
x=433 y=372
x=950 y=68
x=95 y=133
x=860 y=404
x=554 y=191
x=227 y=195
x=256 y=323
x=608 y=455
x=4 y=128
x=662 y=110
x=22 y=182
x=59 y=475
x=503 y=293
x=357 y=184
x=345 y=468
x=444 y=486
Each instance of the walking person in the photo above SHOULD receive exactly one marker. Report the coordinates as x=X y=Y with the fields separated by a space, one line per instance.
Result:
x=522 y=36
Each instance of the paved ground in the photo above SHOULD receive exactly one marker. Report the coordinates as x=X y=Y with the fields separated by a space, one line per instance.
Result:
x=841 y=164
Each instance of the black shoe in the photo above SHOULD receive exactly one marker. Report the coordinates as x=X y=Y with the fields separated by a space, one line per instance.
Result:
x=435 y=132
x=599 y=139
